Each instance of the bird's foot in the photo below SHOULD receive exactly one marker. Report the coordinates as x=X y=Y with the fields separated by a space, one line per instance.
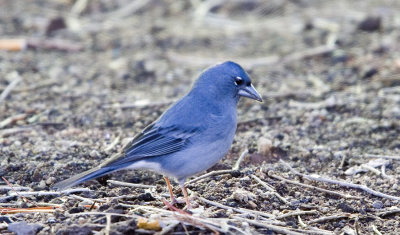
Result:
x=173 y=208
x=177 y=201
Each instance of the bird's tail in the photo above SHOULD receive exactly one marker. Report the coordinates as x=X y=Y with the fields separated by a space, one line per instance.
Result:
x=82 y=177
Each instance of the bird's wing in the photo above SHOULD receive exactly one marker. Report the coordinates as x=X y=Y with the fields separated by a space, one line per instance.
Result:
x=153 y=141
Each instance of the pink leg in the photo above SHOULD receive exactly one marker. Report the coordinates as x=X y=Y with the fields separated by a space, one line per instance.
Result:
x=171 y=194
x=188 y=205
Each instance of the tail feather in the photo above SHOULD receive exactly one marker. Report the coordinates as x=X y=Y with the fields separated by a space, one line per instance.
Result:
x=82 y=177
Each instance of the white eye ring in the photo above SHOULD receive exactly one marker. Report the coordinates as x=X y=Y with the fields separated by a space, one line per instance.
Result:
x=238 y=81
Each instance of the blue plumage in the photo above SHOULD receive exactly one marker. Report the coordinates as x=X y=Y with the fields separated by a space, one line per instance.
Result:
x=191 y=136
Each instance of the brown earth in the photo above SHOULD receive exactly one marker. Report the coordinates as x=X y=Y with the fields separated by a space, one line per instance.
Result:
x=96 y=72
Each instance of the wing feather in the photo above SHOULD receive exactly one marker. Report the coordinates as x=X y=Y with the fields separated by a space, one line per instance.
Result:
x=153 y=141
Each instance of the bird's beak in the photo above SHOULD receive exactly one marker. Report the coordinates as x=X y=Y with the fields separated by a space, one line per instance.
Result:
x=250 y=92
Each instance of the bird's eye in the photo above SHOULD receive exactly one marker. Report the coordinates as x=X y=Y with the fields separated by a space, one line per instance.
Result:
x=238 y=81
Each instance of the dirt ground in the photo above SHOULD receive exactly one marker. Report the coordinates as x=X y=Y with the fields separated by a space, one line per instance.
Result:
x=323 y=149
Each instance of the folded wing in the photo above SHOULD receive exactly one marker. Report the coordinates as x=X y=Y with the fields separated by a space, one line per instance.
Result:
x=153 y=141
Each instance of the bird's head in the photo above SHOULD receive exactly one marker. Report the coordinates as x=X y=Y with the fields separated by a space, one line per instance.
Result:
x=227 y=80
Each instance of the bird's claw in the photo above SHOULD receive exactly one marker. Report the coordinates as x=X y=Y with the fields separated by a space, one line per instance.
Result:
x=173 y=208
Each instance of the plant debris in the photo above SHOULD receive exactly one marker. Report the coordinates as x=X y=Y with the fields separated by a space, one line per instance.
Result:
x=321 y=155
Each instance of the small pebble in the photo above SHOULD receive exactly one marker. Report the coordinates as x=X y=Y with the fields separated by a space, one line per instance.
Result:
x=50 y=180
x=82 y=220
x=23 y=228
x=51 y=220
x=370 y=24
x=94 y=154
x=252 y=204
x=42 y=184
x=377 y=204
x=264 y=146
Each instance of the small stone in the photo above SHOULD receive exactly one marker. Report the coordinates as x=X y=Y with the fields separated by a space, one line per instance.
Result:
x=146 y=197
x=377 y=204
x=75 y=210
x=252 y=204
x=242 y=195
x=143 y=223
x=55 y=24
x=81 y=230
x=94 y=153
x=23 y=228
x=235 y=173
x=5 y=219
x=37 y=176
x=370 y=24
x=82 y=220
x=295 y=203
x=264 y=146
x=42 y=184
x=51 y=220
x=50 y=180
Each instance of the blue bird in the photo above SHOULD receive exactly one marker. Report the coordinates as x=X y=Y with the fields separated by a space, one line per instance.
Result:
x=189 y=137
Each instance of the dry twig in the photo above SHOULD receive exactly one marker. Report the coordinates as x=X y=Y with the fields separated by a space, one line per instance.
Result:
x=15 y=188
x=109 y=147
x=297 y=213
x=237 y=209
x=327 y=218
x=44 y=193
x=388 y=212
x=105 y=214
x=39 y=85
x=347 y=196
x=119 y=183
x=341 y=183
x=212 y=173
x=220 y=172
x=272 y=227
x=108 y=225
x=10 y=87
x=272 y=190
x=13 y=119
x=376 y=231
x=369 y=166
x=381 y=156
x=12 y=131
x=240 y=159
x=16 y=192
